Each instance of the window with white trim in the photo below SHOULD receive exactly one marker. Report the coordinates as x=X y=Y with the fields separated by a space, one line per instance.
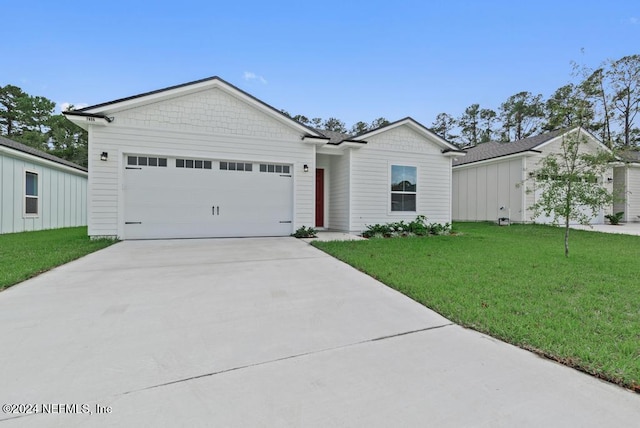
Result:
x=31 y=193
x=404 y=188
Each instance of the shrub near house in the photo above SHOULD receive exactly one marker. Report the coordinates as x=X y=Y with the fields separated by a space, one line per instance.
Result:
x=417 y=227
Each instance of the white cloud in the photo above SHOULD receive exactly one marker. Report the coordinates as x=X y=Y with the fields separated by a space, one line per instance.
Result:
x=248 y=75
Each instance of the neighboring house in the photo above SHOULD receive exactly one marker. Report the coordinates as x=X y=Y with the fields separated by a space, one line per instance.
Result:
x=39 y=190
x=205 y=159
x=492 y=180
x=626 y=178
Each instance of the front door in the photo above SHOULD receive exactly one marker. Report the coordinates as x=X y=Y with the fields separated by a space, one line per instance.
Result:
x=319 y=197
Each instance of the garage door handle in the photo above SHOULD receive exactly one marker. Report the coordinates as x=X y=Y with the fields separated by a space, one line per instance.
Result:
x=217 y=210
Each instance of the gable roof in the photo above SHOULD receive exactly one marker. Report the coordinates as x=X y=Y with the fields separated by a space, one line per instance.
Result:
x=416 y=126
x=103 y=109
x=496 y=149
x=5 y=142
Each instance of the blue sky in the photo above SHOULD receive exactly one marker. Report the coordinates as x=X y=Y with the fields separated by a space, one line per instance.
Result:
x=354 y=60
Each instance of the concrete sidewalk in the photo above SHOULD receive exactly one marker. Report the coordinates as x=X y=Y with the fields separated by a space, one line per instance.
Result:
x=265 y=332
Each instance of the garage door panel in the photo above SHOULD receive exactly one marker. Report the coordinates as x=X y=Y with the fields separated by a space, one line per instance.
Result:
x=189 y=203
x=544 y=219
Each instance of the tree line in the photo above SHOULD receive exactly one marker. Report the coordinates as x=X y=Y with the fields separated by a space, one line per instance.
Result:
x=605 y=101
x=336 y=125
x=30 y=120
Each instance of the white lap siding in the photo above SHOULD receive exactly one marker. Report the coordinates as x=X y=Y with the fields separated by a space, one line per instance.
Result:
x=339 y=193
x=210 y=124
x=370 y=188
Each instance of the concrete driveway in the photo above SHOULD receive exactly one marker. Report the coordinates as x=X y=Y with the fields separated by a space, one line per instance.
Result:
x=264 y=332
x=620 y=229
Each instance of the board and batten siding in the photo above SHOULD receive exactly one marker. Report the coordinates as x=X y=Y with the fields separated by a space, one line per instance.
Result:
x=370 y=178
x=62 y=195
x=210 y=124
x=480 y=191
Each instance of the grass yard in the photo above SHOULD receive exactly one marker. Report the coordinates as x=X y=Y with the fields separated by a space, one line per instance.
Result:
x=27 y=254
x=514 y=283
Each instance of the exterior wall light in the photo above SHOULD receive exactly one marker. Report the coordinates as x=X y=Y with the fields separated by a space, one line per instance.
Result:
x=104 y=156
x=305 y=168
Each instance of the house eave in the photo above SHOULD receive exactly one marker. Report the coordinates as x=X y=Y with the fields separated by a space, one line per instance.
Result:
x=340 y=148
x=526 y=153
x=215 y=82
x=83 y=119
x=314 y=140
x=354 y=144
x=453 y=153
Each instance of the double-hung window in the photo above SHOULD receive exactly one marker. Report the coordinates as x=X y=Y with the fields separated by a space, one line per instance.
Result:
x=31 y=193
x=404 y=188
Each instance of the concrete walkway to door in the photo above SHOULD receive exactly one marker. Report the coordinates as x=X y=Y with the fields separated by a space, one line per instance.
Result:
x=264 y=332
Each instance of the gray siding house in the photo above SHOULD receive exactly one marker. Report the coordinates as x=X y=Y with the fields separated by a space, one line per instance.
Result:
x=38 y=190
x=495 y=179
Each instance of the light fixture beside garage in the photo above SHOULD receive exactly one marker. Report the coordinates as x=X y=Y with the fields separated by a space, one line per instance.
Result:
x=104 y=156
x=305 y=168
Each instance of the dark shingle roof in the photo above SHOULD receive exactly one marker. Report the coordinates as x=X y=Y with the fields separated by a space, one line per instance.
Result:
x=630 y=155
x=334 y=136
x=494 y=149
x=35 y=152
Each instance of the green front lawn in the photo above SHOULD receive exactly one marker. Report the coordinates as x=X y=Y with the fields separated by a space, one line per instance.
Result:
x=514 y=283
x=27 y=254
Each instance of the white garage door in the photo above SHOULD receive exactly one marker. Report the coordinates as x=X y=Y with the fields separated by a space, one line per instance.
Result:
x=543 y=219
x=199 y=198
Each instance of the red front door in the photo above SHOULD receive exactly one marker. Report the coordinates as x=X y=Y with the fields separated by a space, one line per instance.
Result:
x=319 y=197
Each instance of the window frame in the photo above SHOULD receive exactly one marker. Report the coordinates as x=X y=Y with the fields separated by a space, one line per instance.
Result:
x=272 y=168
x=235 y=166
x=25 y=214
x=391 y=192
x=132 y=160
